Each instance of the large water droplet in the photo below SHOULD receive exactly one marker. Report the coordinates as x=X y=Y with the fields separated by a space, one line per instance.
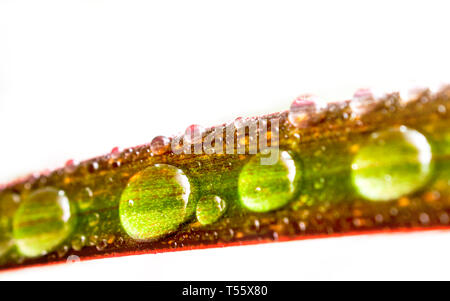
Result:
x=209 y=209
x=160 y=145
x=8 y=205
x=267 y=187
x=393 y=163
x=161 y=197
x=43 y=221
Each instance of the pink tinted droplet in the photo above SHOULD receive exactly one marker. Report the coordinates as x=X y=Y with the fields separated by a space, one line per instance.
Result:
x=160 y=145
x=69 y=162
x=238 y=122
x=70 y=165
x=193 y=133
x=115 y=152
x=361 y=101
x=302 y=110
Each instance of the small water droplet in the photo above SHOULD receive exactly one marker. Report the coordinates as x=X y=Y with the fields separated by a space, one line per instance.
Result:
x=115 y=164
x=93 y=167
x=93 y=239
x=357 y=222
x=302 y=110
x=424 y=218
x=85 y=198
x=361 y=101
x=160 y=145
x=78 y=242
x=71 y=165
x=275 y=235
x=393 y=163
x=101 y=245
x=257 y=224
x=410 y=94
x=379 y=218
x=444 y=218
x=393 y=211
x=209 y=209
x=319 y=183
x=115 y=153
x=73 y=259
x=61 y=251
x=239 y=122
x=111 y=238
x=93 y=219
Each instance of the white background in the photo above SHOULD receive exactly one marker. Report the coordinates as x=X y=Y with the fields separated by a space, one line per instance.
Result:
x=78 y=78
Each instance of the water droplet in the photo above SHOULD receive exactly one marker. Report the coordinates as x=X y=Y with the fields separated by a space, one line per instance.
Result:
x=101 y=245
x=410 y=94
x=379 y=218
x=276 y=183
x=160 y=145
x=239 y=122
x=43 y=221
x=444 y=218
x=8 y=206
x=93 y=219
x=115 y=164
x=361 y=101
x=302 y=110
x=162 y=201
x=71 y=165
x=111 y=239
x=393 y=163
x=424 y=218
x=85 y=198
x=78 y=242
x=194 y=133
x=93 y=239
x=442 y=109
x=115 y=153
x=73 y=259
x=209 y=209
x=275 y=235
x=393 y=211
x=62 y=251
x=93 y=167
x=319 y=183
x=302 y=226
